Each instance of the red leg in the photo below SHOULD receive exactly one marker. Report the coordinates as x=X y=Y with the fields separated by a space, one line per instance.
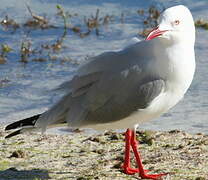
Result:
x=142 y=172
x=126 y=165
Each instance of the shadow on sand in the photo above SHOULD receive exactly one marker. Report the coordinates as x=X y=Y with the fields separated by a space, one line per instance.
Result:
x=13 y=173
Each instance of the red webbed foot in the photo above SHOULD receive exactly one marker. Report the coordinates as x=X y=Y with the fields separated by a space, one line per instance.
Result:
x=152 y=176
x=131 y=171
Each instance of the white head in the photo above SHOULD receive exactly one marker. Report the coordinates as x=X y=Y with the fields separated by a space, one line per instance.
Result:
x=176 y=25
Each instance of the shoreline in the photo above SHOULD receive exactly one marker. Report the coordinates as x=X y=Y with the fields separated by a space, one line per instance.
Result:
x=83 y=156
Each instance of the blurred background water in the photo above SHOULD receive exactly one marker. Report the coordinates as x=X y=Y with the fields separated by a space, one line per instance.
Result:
x=27 y=88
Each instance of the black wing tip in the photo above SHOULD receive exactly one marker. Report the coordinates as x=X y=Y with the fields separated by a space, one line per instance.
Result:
x=13 y=134
x=8 y=127
x=25 y=122
x=13 y=125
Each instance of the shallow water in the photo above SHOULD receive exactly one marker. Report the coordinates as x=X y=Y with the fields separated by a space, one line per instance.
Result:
x=29 y=90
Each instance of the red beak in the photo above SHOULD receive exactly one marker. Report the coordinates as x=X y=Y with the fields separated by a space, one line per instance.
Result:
x=154 y=33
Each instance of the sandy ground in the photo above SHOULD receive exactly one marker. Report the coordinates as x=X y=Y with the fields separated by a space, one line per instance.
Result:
x=82 y=156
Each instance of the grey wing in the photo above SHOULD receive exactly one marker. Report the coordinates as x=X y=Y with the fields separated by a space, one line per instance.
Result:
x=110 y=97
x=110 y=87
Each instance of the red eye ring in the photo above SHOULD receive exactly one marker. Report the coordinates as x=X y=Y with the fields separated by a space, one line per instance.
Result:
x=176 y=22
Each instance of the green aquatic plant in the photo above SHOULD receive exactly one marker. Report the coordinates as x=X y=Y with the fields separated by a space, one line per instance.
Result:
x=202 y=24
x=5 y=49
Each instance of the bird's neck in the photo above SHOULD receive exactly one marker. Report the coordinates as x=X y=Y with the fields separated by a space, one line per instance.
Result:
x=177 y=64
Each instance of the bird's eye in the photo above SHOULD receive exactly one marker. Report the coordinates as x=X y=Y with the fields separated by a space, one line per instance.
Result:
x=176 y=22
